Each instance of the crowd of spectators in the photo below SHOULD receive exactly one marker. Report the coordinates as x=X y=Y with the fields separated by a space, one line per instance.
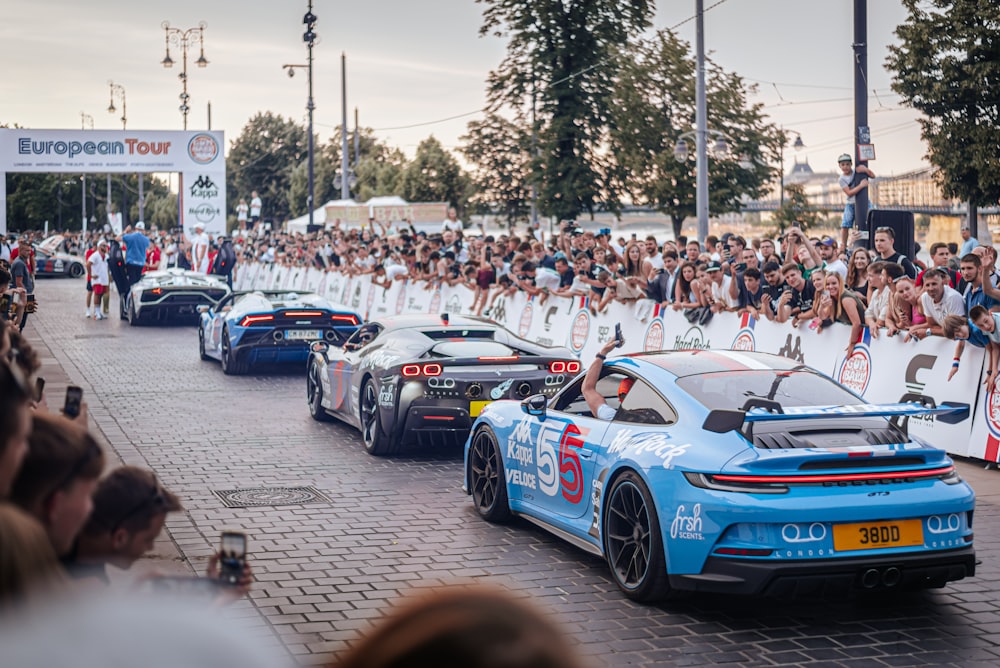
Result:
x=812 y=281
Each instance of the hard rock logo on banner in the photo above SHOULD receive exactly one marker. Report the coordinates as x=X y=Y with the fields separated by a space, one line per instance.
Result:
x=524 y=326
x=654 y=336
x=580 y=331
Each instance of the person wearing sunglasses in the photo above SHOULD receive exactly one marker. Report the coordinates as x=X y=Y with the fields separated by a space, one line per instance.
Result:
x=58 y=477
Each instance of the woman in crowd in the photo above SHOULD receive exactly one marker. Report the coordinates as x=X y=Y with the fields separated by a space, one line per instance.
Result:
x=632 y=283
x=686 y=288
x=904 y=307
x=15 y=424
x=844 y=306
x=857 y=273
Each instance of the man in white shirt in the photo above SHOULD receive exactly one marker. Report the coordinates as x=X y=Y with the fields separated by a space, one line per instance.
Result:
x=451 y=222
x=199 y=249
x=255 y=207
x=99 y=279
x=937 y=301
x=827 y=247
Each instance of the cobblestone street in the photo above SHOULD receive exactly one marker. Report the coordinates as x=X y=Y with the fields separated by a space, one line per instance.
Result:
x=326 y=570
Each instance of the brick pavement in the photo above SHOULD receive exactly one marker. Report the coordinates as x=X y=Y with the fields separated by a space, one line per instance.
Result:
x=325 y=572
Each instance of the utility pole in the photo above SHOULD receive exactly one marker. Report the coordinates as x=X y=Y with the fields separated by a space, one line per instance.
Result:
x=701 y=126
x=861 y=131
x=345 y=186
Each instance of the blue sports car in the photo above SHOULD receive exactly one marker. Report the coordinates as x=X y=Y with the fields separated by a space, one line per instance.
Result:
x=264 y=327
x=729 y=472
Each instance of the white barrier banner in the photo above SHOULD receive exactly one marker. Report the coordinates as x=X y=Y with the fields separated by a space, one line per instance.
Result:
x=879 y=369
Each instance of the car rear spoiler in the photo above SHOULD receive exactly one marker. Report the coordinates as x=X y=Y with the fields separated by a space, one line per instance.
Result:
x=754 y=410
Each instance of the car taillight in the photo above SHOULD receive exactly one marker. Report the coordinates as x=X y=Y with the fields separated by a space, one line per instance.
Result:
x=302 y=314
x=250 y=320
x=350 y=319
x=498 y=358
x=414 y=370
x=571 y=366
x=157 y=291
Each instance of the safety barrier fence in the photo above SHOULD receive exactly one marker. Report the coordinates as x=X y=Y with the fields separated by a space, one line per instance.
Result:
x=881 y=369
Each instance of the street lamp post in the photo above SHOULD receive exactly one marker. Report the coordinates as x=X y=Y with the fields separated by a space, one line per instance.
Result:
x=84 y=120
x=309 y=37
x=184 y=39
x=701 y=121
x=798 y=145
x=117 y=90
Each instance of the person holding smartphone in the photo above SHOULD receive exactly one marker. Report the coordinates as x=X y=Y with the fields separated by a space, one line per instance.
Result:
x=599 y=408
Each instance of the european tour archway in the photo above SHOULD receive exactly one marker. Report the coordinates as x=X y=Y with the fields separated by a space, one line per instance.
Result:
x=196 y=155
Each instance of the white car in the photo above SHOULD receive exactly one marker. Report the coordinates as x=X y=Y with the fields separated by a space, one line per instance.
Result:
x=172 y=296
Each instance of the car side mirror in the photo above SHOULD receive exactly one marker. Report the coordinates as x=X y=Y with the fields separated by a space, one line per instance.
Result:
x=319 y=347
x=204 y=308
x=535 y=405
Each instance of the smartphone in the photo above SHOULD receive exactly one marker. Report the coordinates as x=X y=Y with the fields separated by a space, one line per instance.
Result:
x=619 y=339
x=232 y=556
x=633 y=236
x=74 y=397
x=489 y=254
x=39 y=388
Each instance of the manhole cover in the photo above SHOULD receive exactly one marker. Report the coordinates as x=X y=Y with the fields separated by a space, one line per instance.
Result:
x=270 y=496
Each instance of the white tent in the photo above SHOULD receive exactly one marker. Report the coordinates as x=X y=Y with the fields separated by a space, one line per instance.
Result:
x=319 y=216
x=388 y=200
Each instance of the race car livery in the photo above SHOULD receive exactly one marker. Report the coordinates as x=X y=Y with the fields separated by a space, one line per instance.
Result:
x=729 y=472
x=424 y=378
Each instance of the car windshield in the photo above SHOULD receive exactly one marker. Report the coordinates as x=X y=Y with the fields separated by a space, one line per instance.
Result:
x=732 y=389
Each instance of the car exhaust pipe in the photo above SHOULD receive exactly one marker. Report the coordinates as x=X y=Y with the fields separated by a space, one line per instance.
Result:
x=870 y=579
x=891 y=577
x=329 y=335
x=474 y=390
x=523 y=389
x=278 y=336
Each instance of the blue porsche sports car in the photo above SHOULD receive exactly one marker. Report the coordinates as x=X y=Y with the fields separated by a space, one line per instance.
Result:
x=267 y=327
x=729 y=472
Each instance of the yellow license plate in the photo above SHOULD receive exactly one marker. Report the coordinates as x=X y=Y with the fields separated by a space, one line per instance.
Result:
x=476 y=407
x=874 y=535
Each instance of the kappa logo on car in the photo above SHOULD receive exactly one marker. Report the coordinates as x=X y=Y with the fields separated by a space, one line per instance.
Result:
x=687 y=527
x=501 y=389
x=802 y=533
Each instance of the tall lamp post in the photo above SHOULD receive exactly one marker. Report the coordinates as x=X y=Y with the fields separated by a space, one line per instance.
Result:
x=118 y=91
x=84 y=120
x=184 y=39
x=309 y=37
x=798 y=145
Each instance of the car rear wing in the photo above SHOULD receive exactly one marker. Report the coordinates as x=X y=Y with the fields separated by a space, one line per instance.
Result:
x=764 y=410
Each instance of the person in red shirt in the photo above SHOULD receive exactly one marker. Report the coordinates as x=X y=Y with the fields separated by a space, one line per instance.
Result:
x=152 y=258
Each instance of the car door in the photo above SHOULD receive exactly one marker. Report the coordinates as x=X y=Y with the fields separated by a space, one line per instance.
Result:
x=564 y=443
x=218 y=317
x=358 y=353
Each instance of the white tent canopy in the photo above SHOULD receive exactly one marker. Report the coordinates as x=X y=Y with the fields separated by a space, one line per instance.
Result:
x=319 y=216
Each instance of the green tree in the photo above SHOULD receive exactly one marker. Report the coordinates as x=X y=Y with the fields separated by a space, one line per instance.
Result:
x=654 y=105
x=434 y=176
x=501 y=152
x=947 y=66
x=560 y=52
x=262 y=158
x=795 y=211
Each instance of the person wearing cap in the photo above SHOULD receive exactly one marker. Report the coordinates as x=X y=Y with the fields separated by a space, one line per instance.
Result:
x=136 y=244
x=827 y=247
x=97 y=266
x=852 y=181
x=199 y=249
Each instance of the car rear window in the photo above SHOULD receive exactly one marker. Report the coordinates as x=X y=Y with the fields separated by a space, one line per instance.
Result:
x=474 y=348
x=732 y=389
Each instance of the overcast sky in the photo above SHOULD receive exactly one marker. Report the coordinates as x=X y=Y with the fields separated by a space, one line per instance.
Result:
x=413 y=62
